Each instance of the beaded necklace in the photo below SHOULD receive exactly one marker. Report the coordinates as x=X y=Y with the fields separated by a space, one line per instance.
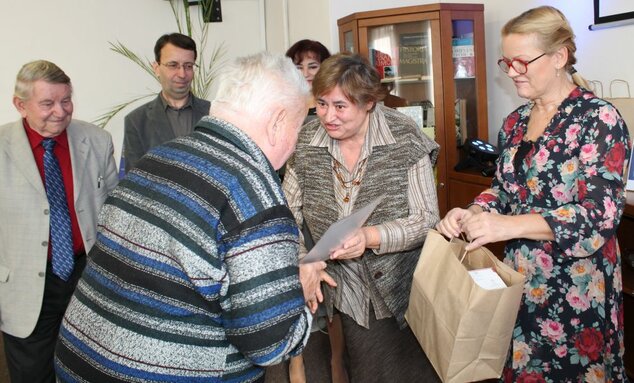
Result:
x=353 y=182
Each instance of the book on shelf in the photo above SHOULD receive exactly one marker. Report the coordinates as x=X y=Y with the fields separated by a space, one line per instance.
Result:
x=381 y=60
x=429 y=131
x=413 y=112
x=429 y=119
x=461 y=121
x=422 y=116
x=413 y=54
x=389 y=71
x=463 y=54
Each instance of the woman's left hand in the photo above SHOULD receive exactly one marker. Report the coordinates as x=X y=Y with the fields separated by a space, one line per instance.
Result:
x=352 y=247
x=485 y=228
x=493 y=227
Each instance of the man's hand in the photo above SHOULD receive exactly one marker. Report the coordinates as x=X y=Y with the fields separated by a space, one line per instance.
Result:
x=311 y=275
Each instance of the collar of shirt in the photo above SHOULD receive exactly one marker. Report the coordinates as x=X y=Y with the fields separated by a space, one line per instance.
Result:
x=166 y=105
x=35 y=139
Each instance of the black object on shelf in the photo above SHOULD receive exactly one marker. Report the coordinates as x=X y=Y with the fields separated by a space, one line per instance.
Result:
x=480 y=156
x=628 y=257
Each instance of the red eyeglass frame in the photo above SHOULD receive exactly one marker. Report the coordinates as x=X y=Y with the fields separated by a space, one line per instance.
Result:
x=509 y=63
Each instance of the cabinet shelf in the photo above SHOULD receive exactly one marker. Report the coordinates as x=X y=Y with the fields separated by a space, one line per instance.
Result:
x=406 y=80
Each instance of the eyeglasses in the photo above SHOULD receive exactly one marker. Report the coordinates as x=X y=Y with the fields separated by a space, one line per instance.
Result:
x=174 y=66
x=519 y=65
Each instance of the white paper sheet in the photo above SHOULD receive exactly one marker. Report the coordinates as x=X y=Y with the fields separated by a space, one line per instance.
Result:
x=487 y=279
x=339 y=231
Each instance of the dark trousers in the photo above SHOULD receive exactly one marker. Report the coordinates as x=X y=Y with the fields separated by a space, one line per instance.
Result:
x=30 y=359
x=384 y=353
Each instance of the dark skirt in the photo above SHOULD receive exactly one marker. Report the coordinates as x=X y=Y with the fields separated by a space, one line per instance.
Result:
x=384 y=353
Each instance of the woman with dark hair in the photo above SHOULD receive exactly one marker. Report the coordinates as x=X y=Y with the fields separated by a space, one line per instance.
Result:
x=308 y=55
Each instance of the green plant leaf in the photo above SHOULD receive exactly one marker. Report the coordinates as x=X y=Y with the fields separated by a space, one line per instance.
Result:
x=121 y=49
x=105 y=118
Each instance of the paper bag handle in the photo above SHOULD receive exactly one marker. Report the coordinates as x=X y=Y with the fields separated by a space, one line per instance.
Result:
x=620 y=81
x=464 y=252
x=464 y=239
x=596 y=85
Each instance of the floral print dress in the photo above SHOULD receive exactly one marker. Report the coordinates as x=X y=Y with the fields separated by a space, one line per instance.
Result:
x=570 y=323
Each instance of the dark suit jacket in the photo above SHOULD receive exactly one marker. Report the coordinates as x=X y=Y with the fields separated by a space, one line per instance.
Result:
x=24 y=217
x=147 y=126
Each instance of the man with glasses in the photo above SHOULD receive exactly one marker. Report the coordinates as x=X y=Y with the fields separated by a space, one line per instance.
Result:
x=175 y=111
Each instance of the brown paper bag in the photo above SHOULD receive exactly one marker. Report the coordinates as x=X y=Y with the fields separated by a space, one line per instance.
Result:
x=624 y=103
x=464 y=329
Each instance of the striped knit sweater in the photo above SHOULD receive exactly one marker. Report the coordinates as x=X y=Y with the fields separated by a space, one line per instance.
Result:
x=194 y=276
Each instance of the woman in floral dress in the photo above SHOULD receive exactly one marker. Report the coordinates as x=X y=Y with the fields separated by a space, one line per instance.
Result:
x=557 y=199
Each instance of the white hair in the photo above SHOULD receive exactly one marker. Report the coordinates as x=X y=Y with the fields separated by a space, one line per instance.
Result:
x=255 y=84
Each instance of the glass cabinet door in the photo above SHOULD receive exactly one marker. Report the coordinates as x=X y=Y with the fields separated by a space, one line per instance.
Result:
x=464 y=74
x=466 y=109
x=402 y=55
x=348 y=42
x=348 y=37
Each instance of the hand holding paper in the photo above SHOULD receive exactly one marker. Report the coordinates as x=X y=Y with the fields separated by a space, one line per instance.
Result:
x=339 y=232
x=352 y=247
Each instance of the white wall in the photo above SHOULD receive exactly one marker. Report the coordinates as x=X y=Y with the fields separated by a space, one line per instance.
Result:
x=288 y=21
x=601 y=55
x=75 y=34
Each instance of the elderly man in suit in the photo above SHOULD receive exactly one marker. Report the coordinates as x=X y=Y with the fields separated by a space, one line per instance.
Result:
x=175 y=111
x=56 y=173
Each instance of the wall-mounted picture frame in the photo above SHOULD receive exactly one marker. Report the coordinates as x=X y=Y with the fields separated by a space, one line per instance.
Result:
x=606 y=11
x=612 y=13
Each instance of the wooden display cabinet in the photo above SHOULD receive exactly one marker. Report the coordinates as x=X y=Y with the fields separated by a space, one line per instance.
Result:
x=432 y=57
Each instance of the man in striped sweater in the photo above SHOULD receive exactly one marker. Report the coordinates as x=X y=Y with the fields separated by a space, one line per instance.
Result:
x=194 y=276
